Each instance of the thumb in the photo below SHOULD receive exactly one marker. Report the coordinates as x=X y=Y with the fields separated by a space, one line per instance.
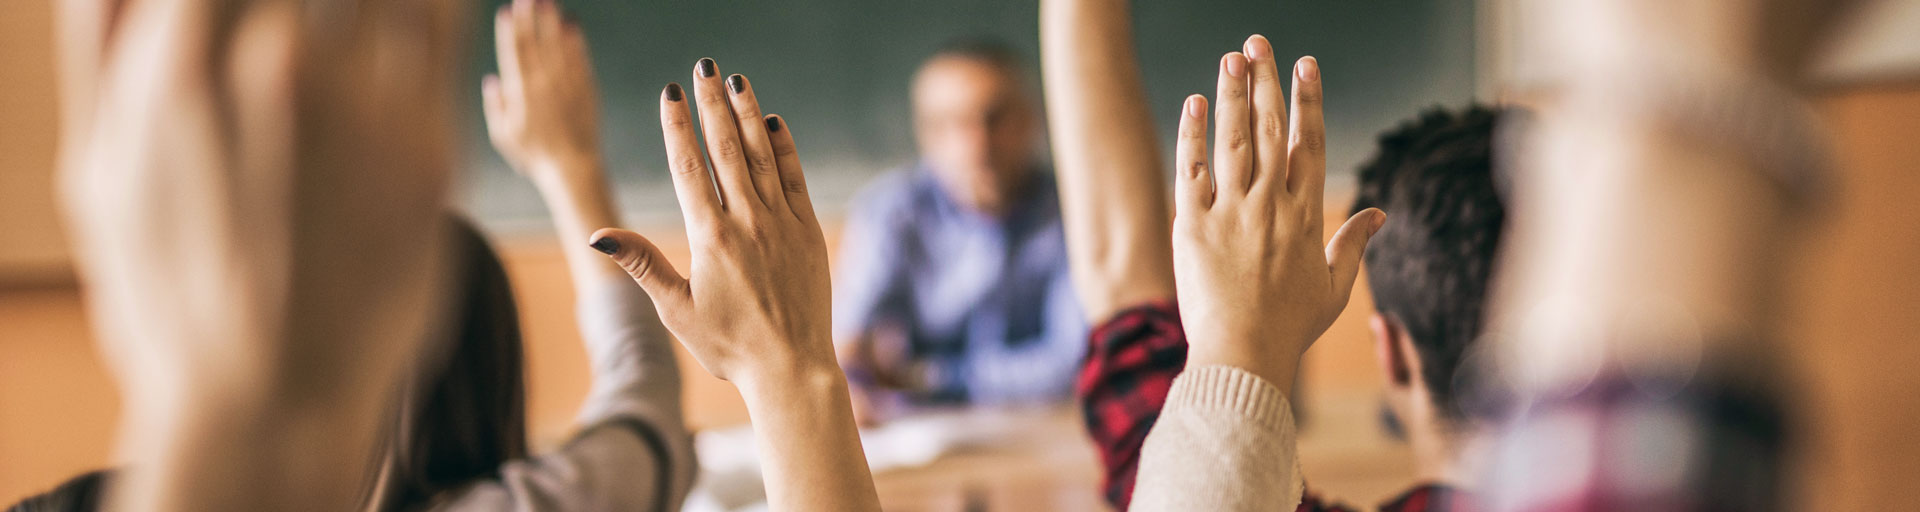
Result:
x=642 y=260
x=1348 y=244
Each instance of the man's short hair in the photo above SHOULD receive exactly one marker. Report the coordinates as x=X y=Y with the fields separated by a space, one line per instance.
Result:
x=1429 y=266
x=992 y=52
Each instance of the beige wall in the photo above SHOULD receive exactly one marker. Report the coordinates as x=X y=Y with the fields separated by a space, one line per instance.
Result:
x=31 y=248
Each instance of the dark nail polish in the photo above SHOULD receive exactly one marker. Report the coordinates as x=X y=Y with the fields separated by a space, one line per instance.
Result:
x=706 y=67
x=606 y=245
x=673 y=92
x=773 y=124
x=737 y=83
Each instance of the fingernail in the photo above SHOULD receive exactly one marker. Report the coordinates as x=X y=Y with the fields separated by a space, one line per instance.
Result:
x=706 y=67
x=737 y=83
x=1193 y=107
x=1257 y=47
x=1309 y=69
x=773 y=124
x=1236 y=65
x=606 y=245
x=1379 y=219
x=673 y=92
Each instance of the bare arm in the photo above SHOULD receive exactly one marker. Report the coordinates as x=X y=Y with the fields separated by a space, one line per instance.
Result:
x=755 y=309
x=542 y=115
x=1113 y=194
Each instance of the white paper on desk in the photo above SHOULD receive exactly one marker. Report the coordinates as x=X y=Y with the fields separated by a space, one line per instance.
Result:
x=730 y=479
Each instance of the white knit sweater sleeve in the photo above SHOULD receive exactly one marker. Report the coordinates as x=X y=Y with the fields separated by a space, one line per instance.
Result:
x=1224 y=442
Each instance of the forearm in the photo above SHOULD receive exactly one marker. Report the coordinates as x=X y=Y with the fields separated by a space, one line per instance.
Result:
x=809 y=449
x=1112 y=192
x=579 y=200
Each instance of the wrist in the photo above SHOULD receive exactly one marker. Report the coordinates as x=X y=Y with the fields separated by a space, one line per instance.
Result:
x=563 y=169
x=810 y=383
x=1275 y=368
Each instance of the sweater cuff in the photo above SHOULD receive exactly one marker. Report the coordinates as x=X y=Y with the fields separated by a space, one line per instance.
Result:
x=1235 y=390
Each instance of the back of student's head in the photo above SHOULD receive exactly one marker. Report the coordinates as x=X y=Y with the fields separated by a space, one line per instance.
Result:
x=465 y=414
x=1429 y=266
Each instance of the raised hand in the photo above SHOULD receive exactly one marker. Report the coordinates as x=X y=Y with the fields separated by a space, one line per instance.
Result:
x=542 y=108
x=256 y=191
x=758 y=297
x=756 y=309
x=1256 y=288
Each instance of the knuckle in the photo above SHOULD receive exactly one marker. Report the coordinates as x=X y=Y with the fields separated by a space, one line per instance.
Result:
x=727 y=148
x=1312 y=141
x=679 y=122
x=688 y=166
x=1272 y=125
x=794 y=186
x=761 y=165
x=784 y=150
x=1307 y=98
x=1236 y=140
x=1196 y=168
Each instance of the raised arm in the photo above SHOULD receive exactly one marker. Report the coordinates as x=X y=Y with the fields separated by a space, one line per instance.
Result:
x=258 y=200
x=1257 y=287
x=633 y=451
x=756 y=309
x=1113 y=196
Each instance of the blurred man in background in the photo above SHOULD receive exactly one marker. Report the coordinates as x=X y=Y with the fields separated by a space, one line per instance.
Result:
x=953 y=286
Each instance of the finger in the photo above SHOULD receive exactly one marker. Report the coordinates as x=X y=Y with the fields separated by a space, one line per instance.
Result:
x=1348 y=245
x=86 y=30
x=1307 y=150
x=1194 y=186
x=723 y=139
x=1232 y=139
x=493 y=108
x=546 y=21
x=526 y=41
x=691 y=181
x=505 y=51
x=1269 y=117
x=793 y=182
x=644 y=261
x=761 y=168
x=260 y=73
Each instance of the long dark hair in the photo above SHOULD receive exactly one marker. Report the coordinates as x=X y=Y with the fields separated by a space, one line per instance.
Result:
x=460 y=418
x=465 y=415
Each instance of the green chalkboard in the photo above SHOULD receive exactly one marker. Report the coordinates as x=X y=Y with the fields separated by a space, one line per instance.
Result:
x=838 y=70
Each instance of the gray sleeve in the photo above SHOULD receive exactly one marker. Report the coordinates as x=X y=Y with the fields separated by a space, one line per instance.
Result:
x=633 y=451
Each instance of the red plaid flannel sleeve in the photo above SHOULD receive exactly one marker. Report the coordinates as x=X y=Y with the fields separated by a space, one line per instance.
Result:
x=1130 y=366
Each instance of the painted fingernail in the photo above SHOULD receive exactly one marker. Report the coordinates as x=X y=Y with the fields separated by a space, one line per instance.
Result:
x=1308 y=68
x=1194 y=108
x=706 y=67
x=773 y=124
x=737 y=83
x=606 y=245
x=673 y=92
x=1236 y=65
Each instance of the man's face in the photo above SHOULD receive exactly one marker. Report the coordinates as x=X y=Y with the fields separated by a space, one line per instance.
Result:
x=976 y=126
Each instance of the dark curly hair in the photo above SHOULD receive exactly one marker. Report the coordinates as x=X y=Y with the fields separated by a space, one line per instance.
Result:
x=1429 y=266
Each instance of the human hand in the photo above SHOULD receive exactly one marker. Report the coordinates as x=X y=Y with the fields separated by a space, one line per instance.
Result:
x=1256 y=288
x=757 y=301
x=542 y=108
x=257 y=193
x=256 y=198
